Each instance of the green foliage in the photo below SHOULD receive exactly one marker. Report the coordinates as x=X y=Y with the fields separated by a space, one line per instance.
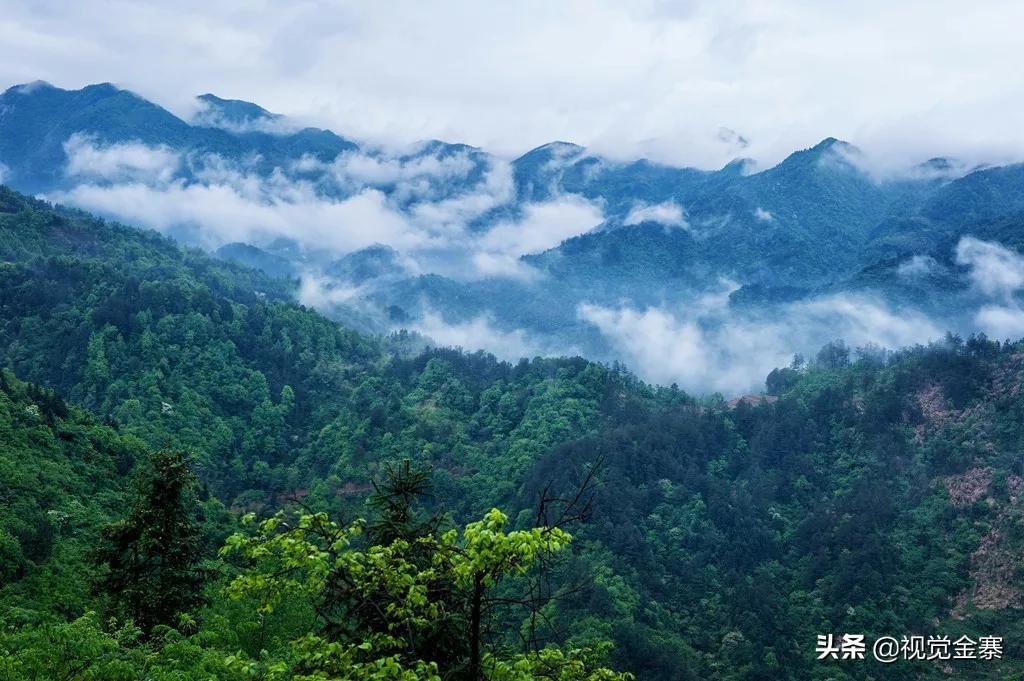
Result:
x=395 y=598
x=151 y=558
x=86 y=650
x=59 y=483
x=876 y=494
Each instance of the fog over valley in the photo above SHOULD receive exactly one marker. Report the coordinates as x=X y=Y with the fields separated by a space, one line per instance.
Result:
x=660 y=340
x=703 y=278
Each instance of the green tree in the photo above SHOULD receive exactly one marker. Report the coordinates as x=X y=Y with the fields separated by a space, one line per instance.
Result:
x=151 y=558
x=399 y=599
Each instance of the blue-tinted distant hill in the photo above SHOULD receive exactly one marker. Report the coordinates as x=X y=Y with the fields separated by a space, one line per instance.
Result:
x=38 y=119
x=819 y=222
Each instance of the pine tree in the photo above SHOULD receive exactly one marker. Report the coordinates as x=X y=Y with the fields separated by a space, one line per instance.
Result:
x=151 y=558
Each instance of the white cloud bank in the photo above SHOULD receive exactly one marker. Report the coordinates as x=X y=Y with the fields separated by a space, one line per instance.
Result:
x=997 y=272
x=479 y=333
x=226 y=212
x=917 y=266
x=629 y=79
x=669 y=214
x=541 y=227
x=123 y=162
x=412 y=203
x=705 y=348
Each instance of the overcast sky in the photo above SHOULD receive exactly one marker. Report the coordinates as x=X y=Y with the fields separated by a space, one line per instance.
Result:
x=658 y=79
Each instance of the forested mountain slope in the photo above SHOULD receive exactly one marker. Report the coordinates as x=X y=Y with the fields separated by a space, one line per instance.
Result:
x=553 y=252
x=190 y=351
x=878 y=494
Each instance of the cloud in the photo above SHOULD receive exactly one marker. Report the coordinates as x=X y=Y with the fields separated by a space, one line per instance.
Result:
x=543 y=226
x=121 y=162
x=669 y=213
x=994 y=269
x=1001 y=321
x=424 y=201
x=416 y=178
x=450 y=216
x=224 y=213
x=504 y=265
x=997 y=272
x=705 y=347
x=917 y=266
x=3 y=173
x=323 y=292
x=479 y=333
x=652 y=78
x=418 y=202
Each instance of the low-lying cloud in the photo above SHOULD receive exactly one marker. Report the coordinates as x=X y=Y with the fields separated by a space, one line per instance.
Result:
x=431 y=203
x=544 y=225
x=995 y=270
x=323 y=292
x=704 y=347
x=89 y=160
x=426 y=200
x=223 y=213
x=998 y=273
x=668 y=213
x=480 y=332
x=917 y=266
x=453 y=214
x=378 y=170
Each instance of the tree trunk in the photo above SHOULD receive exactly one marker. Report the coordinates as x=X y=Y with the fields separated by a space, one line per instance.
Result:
x=474 y=629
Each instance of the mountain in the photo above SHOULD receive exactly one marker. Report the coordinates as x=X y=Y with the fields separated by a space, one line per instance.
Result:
x=38 y=120
x=258 y=259
x=528 y=255
x=232 y=114
x=875 y=492
x=372 y=263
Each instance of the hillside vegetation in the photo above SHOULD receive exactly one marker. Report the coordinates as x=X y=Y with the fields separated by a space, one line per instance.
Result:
x=153 y=399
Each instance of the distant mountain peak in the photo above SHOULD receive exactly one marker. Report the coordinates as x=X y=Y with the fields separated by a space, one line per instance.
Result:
x=554 y=150
x=372 y=262
x=942 y=168
x=435 y=147
x=559 y=145
x=830 y=152
x=235 y=115
x=29 y=88
x=89 y=93
x=833 y=144
x=938 y=163
x=740 y=166
x=102 y=88
x=237 y=110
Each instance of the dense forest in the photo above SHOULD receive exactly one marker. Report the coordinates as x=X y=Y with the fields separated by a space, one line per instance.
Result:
x=202 y=479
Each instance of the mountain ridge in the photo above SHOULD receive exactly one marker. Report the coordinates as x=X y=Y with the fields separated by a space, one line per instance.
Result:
x=518 y=247
x=861 y=491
